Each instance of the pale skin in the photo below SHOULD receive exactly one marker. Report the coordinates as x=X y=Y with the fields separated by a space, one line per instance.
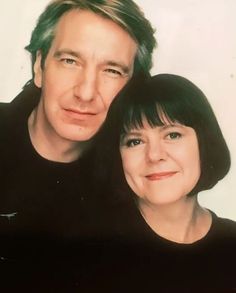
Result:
x=184 y=222
x=91 y=58
x=162 y=165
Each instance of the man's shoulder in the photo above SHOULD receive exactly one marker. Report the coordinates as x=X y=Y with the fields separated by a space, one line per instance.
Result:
x=4 y=113
x=27 y=98
x=22 y=104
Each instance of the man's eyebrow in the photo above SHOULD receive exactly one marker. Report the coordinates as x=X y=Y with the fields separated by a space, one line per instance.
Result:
x=59 y=53
x=124 y=67
x=76 y=54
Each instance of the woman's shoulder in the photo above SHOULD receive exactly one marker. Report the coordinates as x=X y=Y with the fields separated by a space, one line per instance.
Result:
x=224 y=222
x=224 y=227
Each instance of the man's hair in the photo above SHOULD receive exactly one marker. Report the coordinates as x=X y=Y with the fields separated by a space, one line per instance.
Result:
x=176 y=99
x=125 y=13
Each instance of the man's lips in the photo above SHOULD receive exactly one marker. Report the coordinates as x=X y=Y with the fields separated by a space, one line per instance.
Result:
x=77 y=114
x=160 y=175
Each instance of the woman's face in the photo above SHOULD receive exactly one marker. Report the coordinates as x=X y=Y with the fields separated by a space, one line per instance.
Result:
x=161 y=164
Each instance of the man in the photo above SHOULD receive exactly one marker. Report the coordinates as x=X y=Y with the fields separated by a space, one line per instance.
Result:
x=83 y=53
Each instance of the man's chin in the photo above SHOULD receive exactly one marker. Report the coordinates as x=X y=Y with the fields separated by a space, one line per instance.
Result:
x=80 y=136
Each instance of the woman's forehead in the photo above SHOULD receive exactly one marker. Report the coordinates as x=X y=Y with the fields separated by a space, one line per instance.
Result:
x=146 y=123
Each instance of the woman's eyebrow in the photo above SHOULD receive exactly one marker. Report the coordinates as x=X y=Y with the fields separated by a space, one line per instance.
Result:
x=131 y=133
x=175 y=124
x=138 y=133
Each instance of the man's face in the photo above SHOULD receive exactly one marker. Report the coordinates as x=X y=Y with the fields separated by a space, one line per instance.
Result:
x=90 y=60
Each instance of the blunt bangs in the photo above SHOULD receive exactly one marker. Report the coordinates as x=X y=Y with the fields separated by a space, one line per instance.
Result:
x=158 y=104
x=134 y=117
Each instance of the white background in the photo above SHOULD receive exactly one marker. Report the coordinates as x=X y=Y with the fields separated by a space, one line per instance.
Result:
x=197 y=39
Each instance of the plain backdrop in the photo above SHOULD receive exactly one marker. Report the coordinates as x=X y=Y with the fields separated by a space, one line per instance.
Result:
x=196 y=39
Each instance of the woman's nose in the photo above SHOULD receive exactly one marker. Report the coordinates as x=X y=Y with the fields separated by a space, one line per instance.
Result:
x=156 y=151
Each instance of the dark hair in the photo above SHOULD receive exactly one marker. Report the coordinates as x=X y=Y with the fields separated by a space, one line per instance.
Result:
x=179 y=100
x=125 y=13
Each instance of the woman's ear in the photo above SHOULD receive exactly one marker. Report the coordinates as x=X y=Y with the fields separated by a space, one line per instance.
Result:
x=38 y=70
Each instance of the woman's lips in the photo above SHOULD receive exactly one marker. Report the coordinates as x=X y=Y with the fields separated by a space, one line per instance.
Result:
x=160 y=175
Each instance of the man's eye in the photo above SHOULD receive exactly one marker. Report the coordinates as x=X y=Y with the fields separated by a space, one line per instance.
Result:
x=174 y=135
x=133 y=142
x=68 y=61
x=113 y=71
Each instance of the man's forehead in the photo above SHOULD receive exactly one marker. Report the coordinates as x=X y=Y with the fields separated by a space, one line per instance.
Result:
x=81 y=20
x=85 y=16
x=75 y=35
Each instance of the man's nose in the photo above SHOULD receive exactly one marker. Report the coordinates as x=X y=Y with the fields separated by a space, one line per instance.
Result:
x=156 y=151
x=86 y=85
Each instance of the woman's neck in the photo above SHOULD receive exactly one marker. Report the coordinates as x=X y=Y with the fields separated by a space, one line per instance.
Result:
x=184 y=221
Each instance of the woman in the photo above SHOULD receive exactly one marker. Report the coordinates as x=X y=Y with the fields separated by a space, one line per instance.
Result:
x=162 y=137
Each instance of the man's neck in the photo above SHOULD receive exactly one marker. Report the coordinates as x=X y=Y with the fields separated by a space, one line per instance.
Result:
x=50 y=146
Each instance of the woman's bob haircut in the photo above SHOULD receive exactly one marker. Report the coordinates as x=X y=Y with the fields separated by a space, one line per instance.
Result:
x=177 y=100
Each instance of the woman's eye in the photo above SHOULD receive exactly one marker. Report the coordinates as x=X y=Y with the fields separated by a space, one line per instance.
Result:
x=174 y=135
x=133 y=142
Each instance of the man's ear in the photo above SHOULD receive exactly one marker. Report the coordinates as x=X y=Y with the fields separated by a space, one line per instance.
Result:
x=38 y=70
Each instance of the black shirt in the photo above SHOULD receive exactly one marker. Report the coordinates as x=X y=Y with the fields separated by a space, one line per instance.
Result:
x=143 y=261
x=51 y=219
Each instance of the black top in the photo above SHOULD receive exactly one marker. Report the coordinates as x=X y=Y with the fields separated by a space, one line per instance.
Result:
x=143 y=261
x=50 y=214
x=38 y=196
